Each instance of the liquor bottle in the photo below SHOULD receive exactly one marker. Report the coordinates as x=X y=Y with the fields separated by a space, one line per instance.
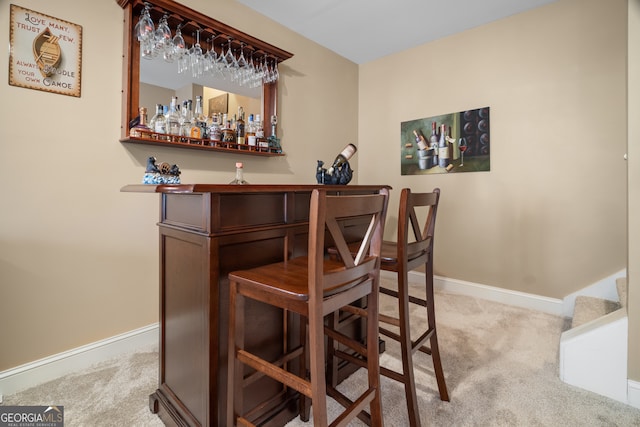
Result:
x=196 y=131
x=185 y=119
x=200 y=119
x=422 y=143
x=343 y=157
x=158 y=122
x=250 y=132
x=239 y=175
x=228 y=134
x=259 y=128
x=173 y=119
x=141 y=129
x=240 y=135
x=215 y=132
x=443 y=148
x=261 y=140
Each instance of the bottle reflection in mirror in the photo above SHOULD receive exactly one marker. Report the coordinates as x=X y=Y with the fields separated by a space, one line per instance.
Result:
x=233 y=64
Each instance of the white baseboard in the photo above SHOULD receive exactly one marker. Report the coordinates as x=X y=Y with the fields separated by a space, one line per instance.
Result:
x=633 y=393
x=491 y=293
x=40 y=371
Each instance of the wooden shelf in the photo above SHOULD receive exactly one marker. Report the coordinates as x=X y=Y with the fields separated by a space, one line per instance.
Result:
x=202 y=144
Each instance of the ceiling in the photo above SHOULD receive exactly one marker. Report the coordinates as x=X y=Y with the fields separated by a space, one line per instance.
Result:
x=365 y=30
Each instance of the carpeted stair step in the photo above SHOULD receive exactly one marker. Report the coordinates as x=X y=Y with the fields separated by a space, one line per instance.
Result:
x=621 y=285
x=590 y=308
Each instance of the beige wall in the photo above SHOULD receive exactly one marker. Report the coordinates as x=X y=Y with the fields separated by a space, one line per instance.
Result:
x=634 y=190
x=78 y=259
x=549 y=218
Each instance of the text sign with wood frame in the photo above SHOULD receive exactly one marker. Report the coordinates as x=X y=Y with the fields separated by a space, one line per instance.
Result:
x=45 y=52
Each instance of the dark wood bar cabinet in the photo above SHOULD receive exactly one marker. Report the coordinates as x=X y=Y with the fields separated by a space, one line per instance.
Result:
x=207 y=231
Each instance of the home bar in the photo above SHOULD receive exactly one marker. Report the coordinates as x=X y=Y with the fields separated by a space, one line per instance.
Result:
x=207 y=231
x=537 y=167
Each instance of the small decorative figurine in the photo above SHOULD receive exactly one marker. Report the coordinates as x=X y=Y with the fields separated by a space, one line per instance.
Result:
x=162 y=173
x=273 y=140
x=340 y=172
x=340 y=176
x=274 y=144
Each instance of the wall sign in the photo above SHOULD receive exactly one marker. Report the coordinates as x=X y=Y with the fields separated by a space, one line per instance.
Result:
x=455 y=142
x=45 y=52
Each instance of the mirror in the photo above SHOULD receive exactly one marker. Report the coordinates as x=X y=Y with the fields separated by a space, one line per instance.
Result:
x=160 y=80
x=142 y=74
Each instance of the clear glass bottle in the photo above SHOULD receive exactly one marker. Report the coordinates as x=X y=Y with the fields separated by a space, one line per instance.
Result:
x=158 y=121
x=343 y=157
x=239 y=175
x=141 y=129
x=173 y=118
x=199 y=121
x=185 y=118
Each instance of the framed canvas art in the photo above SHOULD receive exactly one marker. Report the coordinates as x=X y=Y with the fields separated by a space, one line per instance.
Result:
x=449 y=143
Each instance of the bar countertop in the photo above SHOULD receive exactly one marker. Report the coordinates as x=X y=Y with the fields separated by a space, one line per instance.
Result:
x=249 y=188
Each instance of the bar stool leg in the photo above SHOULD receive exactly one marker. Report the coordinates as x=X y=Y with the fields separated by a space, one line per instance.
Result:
x=305 y=402
x=406 y=345
x=431 y=316
x=373 y=356
x=317 y=368
x=236 y=369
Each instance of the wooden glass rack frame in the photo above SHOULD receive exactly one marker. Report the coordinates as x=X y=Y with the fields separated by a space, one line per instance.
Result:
x=190 y=21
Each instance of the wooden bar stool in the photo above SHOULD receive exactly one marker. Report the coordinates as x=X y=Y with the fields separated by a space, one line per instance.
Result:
x=313 y=287
x=413 y=248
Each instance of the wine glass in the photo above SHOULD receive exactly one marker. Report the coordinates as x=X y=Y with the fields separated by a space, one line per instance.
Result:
x=462 y=145
x=230 y=60
x=210 y=57
x=252 y=79
x=144 y=28
x=276 y=73
x=179 y=50
x=242 y=66
x=196 y=57
x=164 y=42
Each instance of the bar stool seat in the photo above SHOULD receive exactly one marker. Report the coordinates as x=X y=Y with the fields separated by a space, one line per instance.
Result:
x=313 y=287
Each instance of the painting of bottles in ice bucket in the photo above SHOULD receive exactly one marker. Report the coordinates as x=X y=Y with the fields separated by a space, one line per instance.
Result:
x=449 y=143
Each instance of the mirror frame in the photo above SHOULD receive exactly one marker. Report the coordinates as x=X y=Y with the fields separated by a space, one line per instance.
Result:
x=189 y=18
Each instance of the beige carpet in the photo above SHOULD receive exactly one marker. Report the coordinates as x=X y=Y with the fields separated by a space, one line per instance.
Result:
x=500 y=362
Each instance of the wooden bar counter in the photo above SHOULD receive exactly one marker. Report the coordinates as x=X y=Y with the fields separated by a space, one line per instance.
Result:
x=207 y=231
